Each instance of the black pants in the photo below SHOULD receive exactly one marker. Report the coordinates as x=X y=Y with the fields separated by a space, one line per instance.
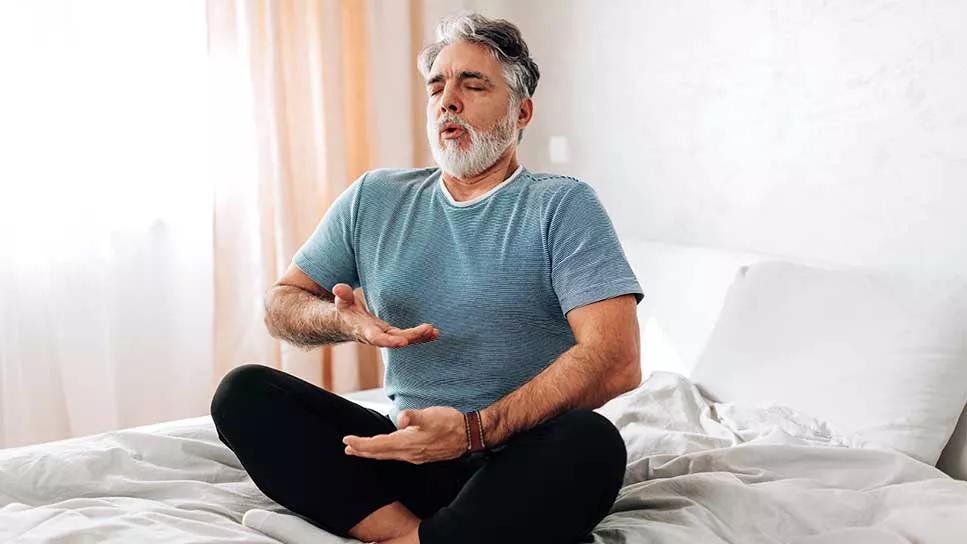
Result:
x=552 y=483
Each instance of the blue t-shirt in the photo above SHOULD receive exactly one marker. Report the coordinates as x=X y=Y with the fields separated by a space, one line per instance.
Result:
x=496 y=274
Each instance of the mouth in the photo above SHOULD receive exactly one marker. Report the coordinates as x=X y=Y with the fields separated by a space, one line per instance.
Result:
x=451 y=131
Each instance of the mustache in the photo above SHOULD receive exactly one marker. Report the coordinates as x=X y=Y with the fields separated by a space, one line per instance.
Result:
x=452 y=118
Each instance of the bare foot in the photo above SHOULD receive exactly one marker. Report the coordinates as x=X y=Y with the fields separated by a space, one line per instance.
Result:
x=391 y=521
x=412 y=537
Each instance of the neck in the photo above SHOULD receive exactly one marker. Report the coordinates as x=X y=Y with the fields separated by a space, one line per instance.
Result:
x=462 y=189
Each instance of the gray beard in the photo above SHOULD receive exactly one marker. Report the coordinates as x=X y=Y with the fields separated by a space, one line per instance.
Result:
x=484 y=149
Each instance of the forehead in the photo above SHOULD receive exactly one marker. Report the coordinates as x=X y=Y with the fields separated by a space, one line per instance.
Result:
x=463 y=56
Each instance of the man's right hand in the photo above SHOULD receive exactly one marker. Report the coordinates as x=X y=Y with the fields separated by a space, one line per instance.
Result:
x=368 y=329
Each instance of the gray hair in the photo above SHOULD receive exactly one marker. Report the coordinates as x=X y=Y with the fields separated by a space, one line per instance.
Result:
x=501 y=37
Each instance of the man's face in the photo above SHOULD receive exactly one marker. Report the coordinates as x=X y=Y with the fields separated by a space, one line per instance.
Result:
x=471 y=116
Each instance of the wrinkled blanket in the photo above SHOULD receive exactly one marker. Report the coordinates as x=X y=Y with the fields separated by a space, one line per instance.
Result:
x=697 y=472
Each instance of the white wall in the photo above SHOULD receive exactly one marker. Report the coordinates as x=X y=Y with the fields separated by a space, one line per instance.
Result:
x=392 y=70
x=832 y=131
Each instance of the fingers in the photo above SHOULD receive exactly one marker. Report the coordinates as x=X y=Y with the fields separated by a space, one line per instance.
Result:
x=381 y=446
x=344 y=296
x=379 y=456
x=394 y=337
x=418 y=334
x=377 y=332
x=377 y=337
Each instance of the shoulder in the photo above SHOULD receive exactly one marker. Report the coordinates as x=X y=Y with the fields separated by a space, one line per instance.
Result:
x=396 y=177
x=557 y=190
x=550 y=182
x=390 y=186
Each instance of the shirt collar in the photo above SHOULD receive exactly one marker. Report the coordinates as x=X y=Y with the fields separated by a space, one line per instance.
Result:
x=478 y=198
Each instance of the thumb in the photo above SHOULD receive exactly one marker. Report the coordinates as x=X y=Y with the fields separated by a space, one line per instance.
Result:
x=344 y=295
x=407 y=418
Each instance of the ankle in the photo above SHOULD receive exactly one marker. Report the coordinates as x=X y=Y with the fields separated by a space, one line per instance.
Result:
x=393 y=520
x=409 y=537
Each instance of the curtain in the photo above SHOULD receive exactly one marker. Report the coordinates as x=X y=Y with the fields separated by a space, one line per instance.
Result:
x=295 y=90
x=163 y=161
x=105 y=217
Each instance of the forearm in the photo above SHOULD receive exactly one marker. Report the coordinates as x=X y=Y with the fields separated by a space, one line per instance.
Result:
x=578 y=379
x=303 y=319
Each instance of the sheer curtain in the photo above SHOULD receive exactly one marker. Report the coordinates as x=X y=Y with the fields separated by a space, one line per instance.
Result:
x=307 y=95
x=105 y=217
x=162 y=161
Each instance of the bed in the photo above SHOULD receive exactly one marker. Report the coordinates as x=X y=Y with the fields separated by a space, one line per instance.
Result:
x=700 y=468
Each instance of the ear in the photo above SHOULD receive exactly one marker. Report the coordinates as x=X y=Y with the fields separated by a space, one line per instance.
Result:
x=525 y=112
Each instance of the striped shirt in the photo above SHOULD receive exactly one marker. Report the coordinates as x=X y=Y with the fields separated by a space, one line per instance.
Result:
x=497 y=275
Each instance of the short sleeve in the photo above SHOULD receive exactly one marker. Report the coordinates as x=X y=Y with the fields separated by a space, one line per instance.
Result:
x=329 y=256
x=587 y=261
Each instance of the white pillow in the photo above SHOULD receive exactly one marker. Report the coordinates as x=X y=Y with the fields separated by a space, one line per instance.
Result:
x=882 y=355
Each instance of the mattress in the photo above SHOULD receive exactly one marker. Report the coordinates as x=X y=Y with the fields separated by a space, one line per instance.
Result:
x=697 y=472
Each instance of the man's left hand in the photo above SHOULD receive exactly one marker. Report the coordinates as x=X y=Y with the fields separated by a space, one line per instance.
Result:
x=437 y=433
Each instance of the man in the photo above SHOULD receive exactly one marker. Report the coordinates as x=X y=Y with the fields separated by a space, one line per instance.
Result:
x=505 y=310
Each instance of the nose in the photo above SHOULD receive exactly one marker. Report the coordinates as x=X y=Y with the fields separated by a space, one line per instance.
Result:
x=450 y=102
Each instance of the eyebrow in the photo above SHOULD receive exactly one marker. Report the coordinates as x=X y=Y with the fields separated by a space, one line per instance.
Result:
x=466 y=74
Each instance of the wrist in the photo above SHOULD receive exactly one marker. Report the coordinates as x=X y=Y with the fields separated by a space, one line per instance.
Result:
x=346 y=325
x=474 y=432
x=489 y=422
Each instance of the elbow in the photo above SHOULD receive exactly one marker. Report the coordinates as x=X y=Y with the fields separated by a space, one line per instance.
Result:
x=623 y=366
x=632 y=363
x=273 y=332
x=634 y=376
x=267 y=303
x=628 y=372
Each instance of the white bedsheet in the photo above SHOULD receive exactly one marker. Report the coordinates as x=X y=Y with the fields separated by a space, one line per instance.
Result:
x=708 y=472
x=172 y=482
x=697 y=473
